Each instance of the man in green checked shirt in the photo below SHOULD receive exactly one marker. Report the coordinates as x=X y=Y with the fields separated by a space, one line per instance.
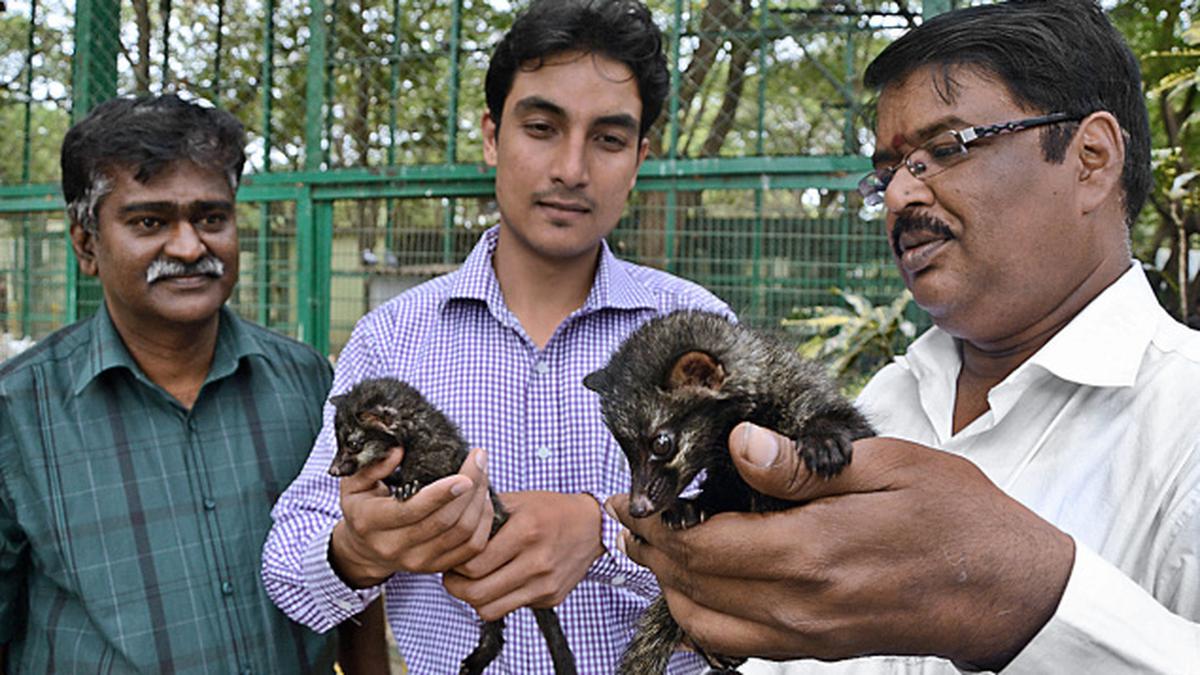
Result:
x=141 y=448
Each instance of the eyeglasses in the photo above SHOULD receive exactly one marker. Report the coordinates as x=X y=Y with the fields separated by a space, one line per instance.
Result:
x=944 y=151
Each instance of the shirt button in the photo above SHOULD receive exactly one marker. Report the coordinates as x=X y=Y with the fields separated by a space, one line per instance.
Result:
x=227 y=588
x=618 y=580
x=543 y=452
x=541 y=367
x=209 y=504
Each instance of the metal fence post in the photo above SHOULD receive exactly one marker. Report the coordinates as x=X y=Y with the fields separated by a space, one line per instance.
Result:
x=262 y=267
x=94 y=79
x=308 y=304
x=452 y=127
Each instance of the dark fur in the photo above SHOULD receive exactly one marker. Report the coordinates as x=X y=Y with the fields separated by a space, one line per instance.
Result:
x=379 y=414
x=671 y=395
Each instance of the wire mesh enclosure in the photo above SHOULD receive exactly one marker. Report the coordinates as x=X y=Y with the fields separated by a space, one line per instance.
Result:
x=365 y=174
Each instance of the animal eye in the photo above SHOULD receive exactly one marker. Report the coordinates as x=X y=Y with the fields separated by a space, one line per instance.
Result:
x=663 y=446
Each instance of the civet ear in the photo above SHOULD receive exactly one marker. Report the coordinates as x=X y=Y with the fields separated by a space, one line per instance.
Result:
x=696 y=369
x=597 y=381
x=379 y=417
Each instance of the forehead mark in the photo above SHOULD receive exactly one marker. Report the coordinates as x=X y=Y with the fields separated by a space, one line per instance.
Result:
x=898 y=142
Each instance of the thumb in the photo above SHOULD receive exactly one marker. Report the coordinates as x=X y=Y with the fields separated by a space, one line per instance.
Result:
x=770 y=464
x=367 y=479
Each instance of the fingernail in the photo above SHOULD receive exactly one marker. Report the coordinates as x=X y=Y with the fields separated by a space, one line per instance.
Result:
x=481 y=459
x=621 y=542
x=460 y=486
x=762 y=447
x=608 y=508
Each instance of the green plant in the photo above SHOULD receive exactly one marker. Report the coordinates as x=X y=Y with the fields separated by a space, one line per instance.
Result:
x=856 y=340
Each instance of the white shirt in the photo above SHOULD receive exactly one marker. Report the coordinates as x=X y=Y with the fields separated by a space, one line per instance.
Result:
x=1098 y=433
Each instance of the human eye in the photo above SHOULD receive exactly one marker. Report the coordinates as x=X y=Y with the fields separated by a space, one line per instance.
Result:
x=146 y=224
x=944 y=148
x=538 y=128
x=612 y=141
x=213 y=222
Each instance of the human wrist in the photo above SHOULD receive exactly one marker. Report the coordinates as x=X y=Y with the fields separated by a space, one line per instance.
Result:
x=1036 y=598
x=353 y=567
x=592 y=513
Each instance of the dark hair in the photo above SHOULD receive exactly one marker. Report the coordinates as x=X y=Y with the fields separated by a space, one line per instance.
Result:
x=1054 y=56
x=622 y=30
x=144 y=135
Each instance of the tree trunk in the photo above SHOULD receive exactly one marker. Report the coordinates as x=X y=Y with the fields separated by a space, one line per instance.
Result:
x=141 y=69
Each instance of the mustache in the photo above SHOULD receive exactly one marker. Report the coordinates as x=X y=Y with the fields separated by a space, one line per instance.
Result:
x=908 y=222
x=565 y=195
x=166 y=268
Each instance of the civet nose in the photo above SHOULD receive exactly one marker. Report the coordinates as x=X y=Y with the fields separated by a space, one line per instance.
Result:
x=344 y=467
x=640 y=505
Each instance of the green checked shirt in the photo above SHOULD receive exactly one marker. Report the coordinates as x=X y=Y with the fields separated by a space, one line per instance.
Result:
x=131 y=529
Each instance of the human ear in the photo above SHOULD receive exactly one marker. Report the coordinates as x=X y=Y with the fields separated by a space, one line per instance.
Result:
x=643 y=150
x=1099 y=147
x=84 y=243
x=490 y=130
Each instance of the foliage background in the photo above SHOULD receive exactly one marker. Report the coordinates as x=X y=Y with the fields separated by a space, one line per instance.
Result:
x=739 y=97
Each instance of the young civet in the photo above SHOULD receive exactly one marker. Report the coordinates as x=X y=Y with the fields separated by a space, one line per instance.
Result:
x=379 y=414
x=671 y=394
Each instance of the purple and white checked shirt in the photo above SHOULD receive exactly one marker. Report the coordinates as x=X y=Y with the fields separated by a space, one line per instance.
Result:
x=455 y=340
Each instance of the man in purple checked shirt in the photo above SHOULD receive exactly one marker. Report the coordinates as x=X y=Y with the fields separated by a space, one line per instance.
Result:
x=502 y=346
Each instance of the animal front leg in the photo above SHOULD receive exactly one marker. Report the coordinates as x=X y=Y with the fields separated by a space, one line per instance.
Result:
x=825 y=446
x=683 y=514
x=400 y=488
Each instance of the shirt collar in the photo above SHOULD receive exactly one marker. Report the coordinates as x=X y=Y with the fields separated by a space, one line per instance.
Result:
x=1102 y=346
x=612 y=287
x=107 y=350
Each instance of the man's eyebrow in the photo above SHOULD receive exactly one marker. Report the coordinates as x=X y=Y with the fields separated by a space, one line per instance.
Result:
x=159 y=207
x=211 y=205
x=622 y=120
x=889 y=155
x=951 y=122
x=537 y=103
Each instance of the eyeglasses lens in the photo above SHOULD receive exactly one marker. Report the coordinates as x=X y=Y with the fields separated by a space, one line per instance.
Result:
x=925 y=161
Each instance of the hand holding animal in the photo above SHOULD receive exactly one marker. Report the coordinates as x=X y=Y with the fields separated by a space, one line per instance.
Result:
x=671 y=394
x=379 y=415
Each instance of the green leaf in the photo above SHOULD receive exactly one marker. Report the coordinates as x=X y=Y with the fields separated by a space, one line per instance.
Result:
x=1179 y=187
x=1192 y=35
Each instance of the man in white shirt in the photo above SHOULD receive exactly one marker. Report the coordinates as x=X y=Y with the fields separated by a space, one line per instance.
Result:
x=1049 y=519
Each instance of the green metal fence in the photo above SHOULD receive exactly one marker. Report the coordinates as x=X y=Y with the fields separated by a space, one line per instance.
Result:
x=365 y=174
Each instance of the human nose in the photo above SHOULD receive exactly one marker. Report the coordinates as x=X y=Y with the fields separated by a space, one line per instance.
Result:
x=184 y=242
x=905 y=190
x=570 y=163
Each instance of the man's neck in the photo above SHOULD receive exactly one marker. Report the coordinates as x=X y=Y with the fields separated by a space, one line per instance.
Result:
x=541 y=292
x=175 y=357
x=986 y=363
